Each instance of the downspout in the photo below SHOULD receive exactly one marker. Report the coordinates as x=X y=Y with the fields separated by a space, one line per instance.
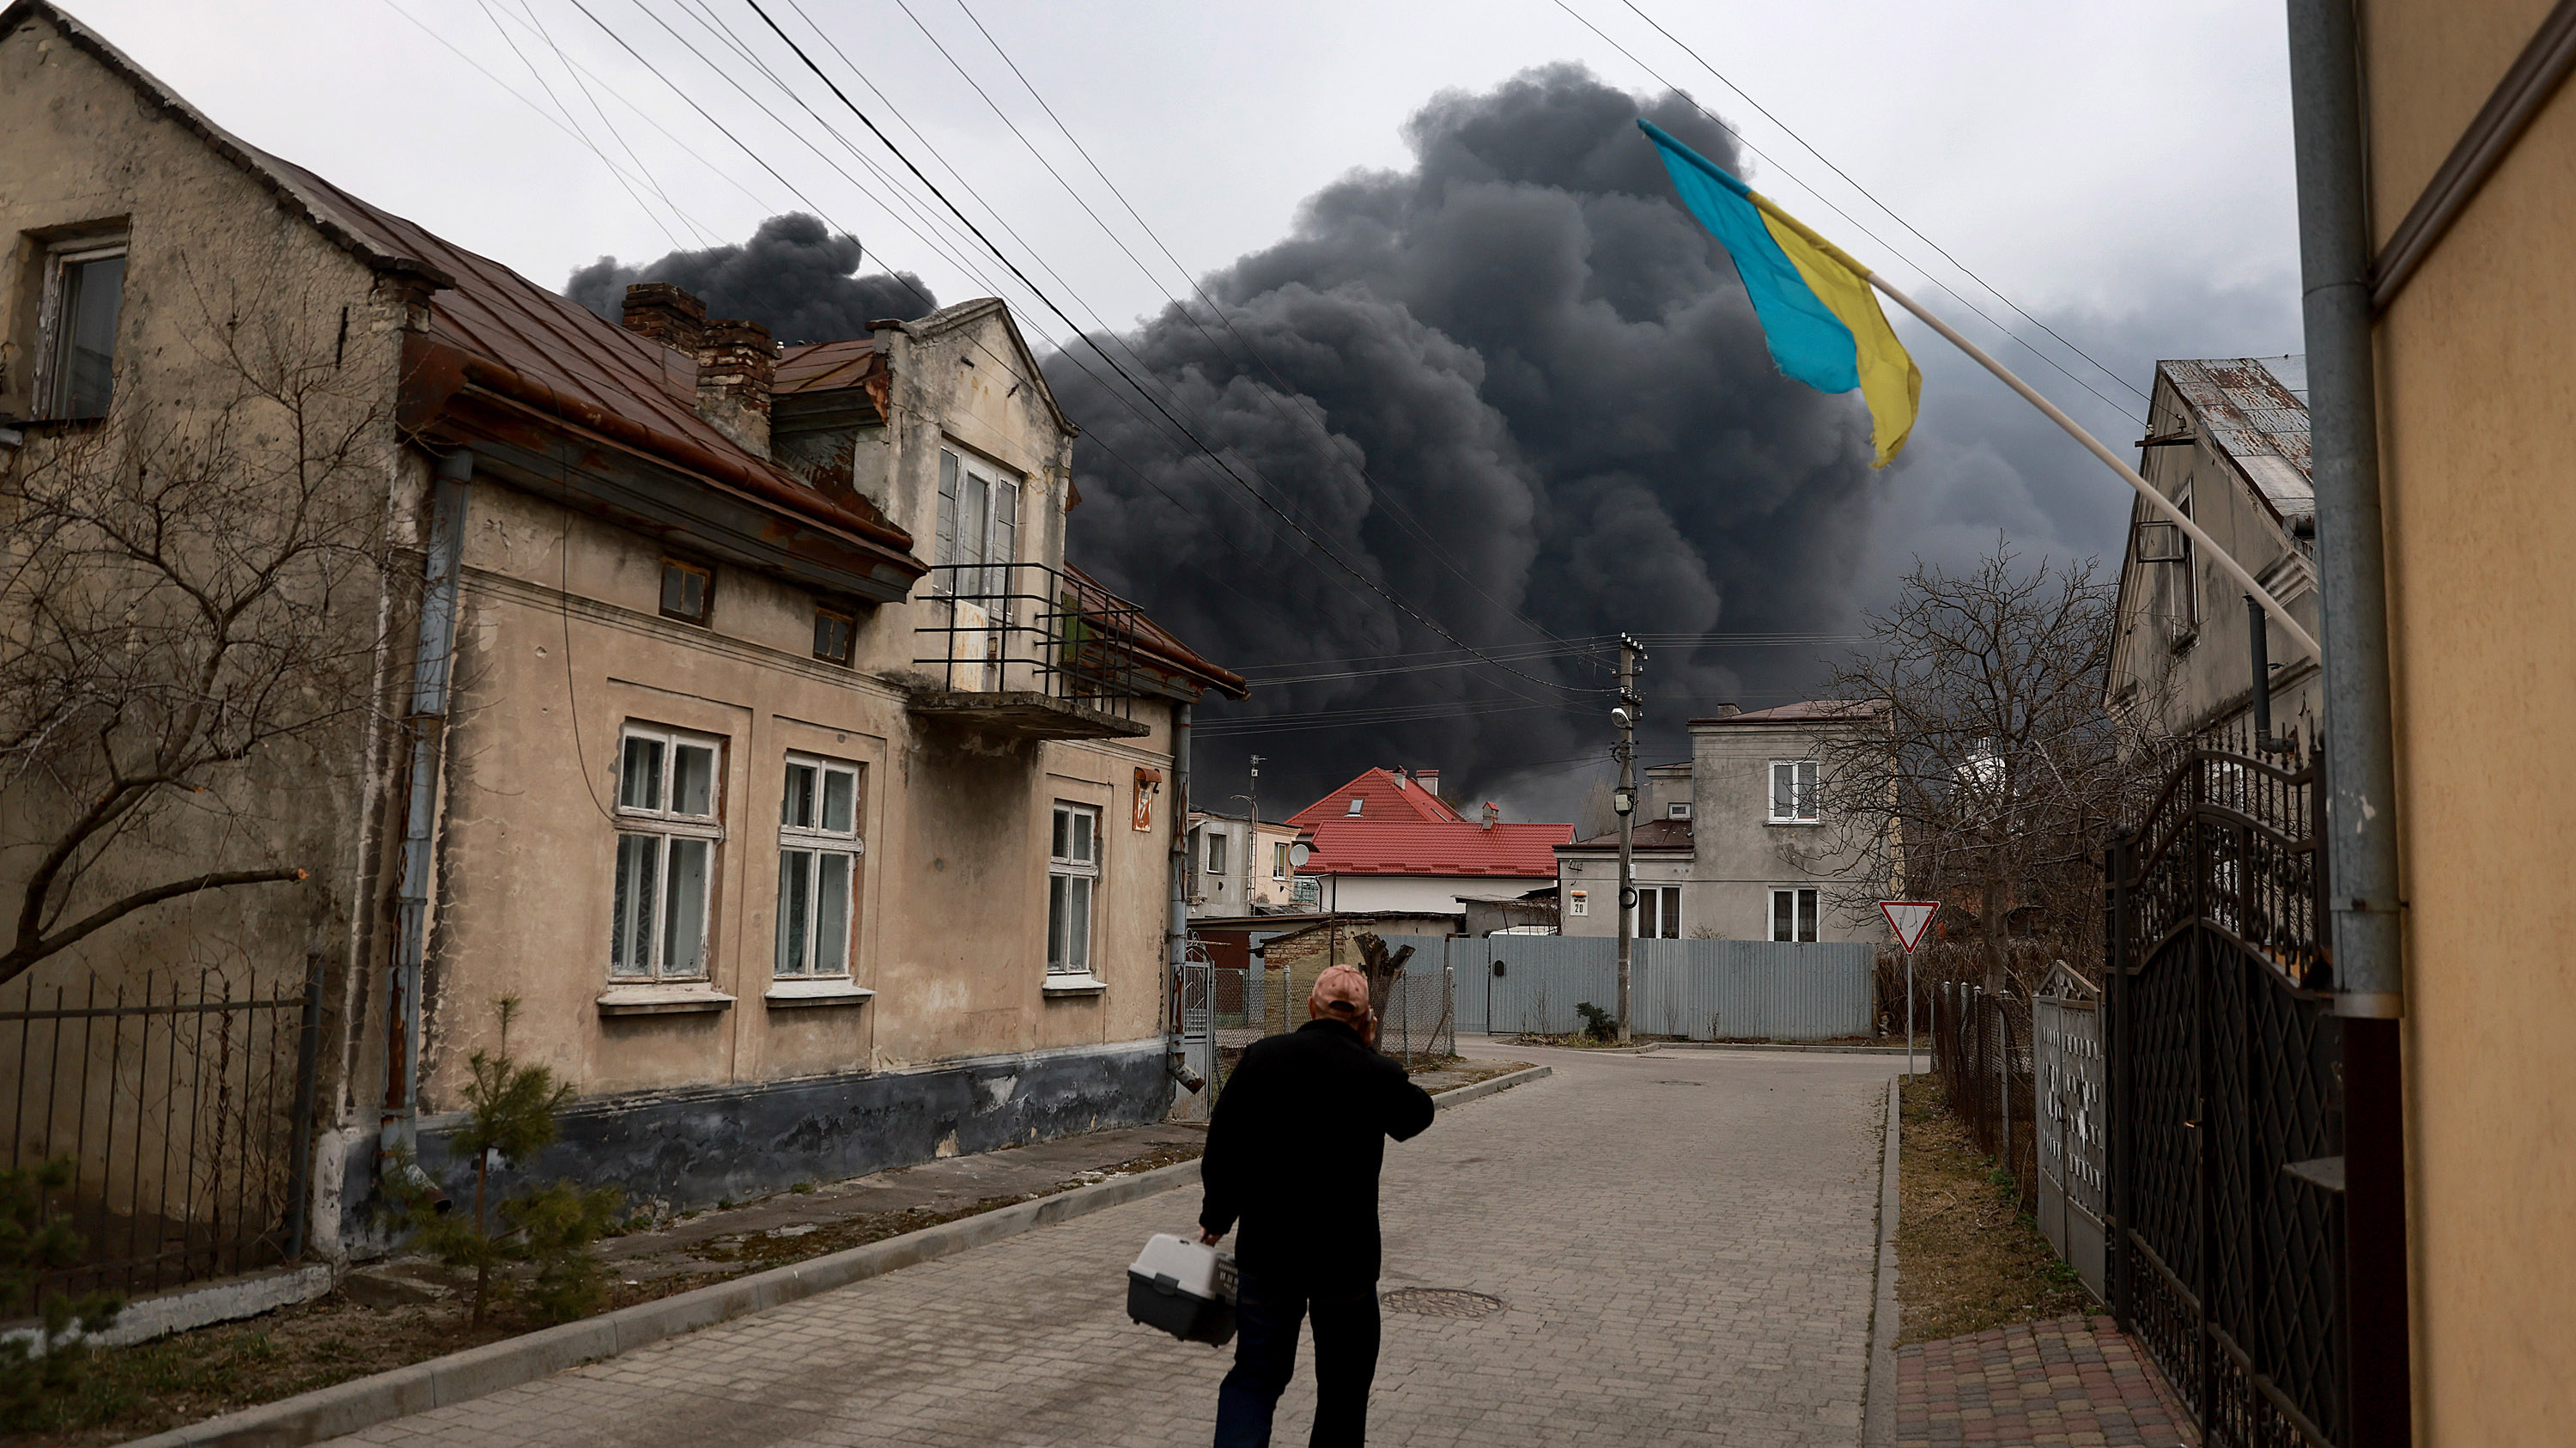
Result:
x=432 y=665
x=1179 y=941
x=2360 y=825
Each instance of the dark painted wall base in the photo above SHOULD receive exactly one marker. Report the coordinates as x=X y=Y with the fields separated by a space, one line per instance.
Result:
x=697 y=1146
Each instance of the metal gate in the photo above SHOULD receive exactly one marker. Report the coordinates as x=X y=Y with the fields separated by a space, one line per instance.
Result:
x=2067 y=1126
x=2226 y=1205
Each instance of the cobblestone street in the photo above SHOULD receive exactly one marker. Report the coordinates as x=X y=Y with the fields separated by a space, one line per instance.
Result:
x=1685 y=1242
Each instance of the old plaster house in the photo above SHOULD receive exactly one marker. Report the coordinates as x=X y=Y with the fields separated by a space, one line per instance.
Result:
x=1735 y=843
x=736 y=712
x=2227 y=440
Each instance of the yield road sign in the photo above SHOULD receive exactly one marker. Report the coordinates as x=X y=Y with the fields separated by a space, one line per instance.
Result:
x=1909 y=919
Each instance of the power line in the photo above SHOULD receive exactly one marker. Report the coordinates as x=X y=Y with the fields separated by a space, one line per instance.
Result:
x=1828 y=204
x=1050 y=304
x=1881 y=205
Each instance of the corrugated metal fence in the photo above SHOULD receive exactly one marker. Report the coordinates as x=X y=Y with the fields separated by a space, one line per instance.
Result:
x=1702 y=990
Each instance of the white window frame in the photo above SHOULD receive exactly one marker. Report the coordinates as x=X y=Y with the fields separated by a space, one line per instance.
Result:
x=1215 y=838
x=1278 y=859
x=651 y=815
x=797 y=946
x=1357 y=803
x=60 y=257
x=1803 y=809
x=1664 y=920
x=1072 y=874
x=1806 y=914
x=995 y=519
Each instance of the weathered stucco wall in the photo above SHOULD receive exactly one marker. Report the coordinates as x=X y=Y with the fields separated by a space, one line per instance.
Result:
x=222 y=283
x=1742 y=855
x=2477 y=380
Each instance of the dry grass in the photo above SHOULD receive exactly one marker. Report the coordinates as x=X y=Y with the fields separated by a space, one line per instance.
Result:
x=1968 y=1258
x=192 y=1376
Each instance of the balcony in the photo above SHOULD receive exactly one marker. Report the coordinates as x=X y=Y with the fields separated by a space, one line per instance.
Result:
x=1023 y=650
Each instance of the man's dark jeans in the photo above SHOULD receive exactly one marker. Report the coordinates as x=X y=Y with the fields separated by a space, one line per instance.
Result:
x=1265 y=1354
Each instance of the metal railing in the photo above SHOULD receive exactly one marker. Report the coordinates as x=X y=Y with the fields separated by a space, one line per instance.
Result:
x=185 y=1104
x=1981 y=1051
x=1030 y=629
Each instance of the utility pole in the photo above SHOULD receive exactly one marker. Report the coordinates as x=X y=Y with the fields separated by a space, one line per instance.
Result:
x=1252 y=834
x=1623 y=800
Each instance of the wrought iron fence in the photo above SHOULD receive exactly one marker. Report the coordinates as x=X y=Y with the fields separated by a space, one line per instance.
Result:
x=1028 y=628
x=185 y=1104
x=2226 y=1189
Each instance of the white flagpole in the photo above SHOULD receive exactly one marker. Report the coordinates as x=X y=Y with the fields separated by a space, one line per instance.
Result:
x=2158 y=501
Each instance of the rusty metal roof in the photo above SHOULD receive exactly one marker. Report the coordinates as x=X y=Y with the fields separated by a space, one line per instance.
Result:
x=1151 y=638
x=825 y=366
x=2257 y=421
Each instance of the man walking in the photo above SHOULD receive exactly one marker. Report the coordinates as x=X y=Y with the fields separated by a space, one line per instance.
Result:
x=1293 y=1151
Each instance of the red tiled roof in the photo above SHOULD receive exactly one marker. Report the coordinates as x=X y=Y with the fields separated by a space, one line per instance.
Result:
x=1388 y=800
x=1404 y=829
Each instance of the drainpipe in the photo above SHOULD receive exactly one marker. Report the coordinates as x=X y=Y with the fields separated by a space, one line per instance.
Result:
x=432 y=663
x=2328 y=130
x=1180 y=918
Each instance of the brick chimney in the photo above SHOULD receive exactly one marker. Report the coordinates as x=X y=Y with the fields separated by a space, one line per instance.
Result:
x=1493 y=812
x=737 y=362
x=1429 y=779
x=1726 y=711
x=666 y=314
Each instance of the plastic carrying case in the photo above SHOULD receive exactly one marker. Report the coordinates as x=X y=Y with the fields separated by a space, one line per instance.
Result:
x=1185 y=1288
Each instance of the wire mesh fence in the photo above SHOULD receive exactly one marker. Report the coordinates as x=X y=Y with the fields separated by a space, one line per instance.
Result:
x=1981 y=1052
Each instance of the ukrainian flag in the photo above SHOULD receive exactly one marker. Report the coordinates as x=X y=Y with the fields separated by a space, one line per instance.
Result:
x=1824 y=326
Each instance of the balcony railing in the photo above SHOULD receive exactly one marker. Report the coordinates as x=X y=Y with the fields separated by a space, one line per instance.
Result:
x=1020 y=647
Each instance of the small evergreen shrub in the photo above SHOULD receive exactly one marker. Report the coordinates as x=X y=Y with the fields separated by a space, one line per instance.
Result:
x=39 y=1372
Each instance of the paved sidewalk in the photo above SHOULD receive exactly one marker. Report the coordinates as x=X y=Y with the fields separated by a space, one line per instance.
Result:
x=1685 y=1246
x=2071 y=1380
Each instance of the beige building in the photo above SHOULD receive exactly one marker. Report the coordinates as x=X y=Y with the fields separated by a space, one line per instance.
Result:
x=1240 y=866
x=2470 y=137
x=742 y=718
x=2227 y=440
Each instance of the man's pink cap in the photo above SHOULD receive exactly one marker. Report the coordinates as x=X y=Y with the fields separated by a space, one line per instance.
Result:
x=1342 y=990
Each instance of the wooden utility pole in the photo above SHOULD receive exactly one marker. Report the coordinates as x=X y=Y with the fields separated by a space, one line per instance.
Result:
x=1624 y=801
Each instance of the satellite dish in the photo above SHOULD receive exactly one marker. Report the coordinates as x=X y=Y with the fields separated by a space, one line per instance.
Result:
x=1297 y=855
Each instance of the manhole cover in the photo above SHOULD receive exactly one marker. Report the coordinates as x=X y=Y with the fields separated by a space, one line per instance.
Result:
x=1440 y=1302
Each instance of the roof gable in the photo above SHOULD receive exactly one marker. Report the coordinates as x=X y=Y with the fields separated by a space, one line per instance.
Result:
x=1383 y=799
x=976 y=309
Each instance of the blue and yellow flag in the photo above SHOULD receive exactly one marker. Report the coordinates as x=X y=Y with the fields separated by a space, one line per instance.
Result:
x=1824 y=326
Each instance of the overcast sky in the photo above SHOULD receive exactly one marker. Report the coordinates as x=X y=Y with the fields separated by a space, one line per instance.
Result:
x=2122 y=171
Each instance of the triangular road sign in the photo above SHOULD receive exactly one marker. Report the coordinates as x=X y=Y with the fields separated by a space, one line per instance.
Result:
x=1909 y=919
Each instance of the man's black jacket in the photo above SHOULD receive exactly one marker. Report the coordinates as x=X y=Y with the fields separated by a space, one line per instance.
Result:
x=1294 y=1149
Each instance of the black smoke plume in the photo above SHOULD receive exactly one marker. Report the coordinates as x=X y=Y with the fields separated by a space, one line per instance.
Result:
x=794 y=277
x=1554 y=379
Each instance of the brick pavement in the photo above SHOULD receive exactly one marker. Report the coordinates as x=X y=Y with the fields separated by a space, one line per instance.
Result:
x=2071 y=1380
x=1685 y=1244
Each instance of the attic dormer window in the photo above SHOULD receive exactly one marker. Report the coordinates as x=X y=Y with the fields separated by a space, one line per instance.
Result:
x=1355 y=807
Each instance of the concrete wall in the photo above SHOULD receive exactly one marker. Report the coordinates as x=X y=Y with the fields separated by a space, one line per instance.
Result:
x=1246 y=881
x=1742 y=855
x=2477 y=383
x=1428 y=894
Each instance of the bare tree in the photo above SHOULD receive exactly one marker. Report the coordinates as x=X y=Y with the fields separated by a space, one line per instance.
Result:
x=1993 y=771
x=190 y=601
